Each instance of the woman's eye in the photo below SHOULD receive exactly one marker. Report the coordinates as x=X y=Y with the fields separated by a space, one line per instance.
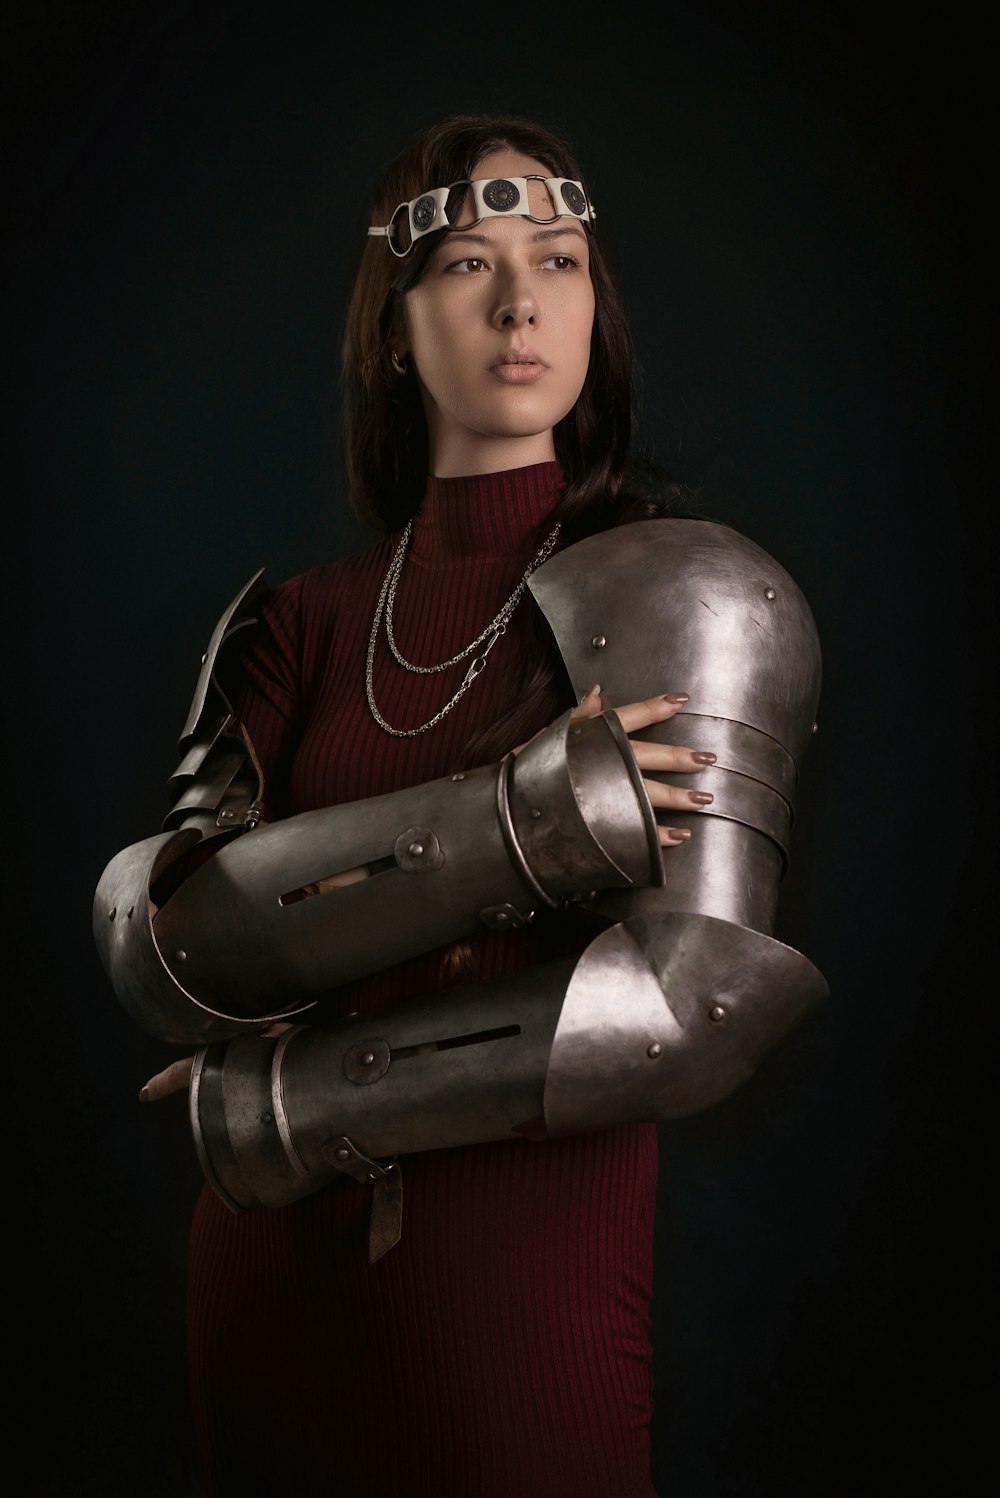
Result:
x=561 y=262
x=465 y=267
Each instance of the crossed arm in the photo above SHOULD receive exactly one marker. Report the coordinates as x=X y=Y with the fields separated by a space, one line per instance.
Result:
x=652 y=759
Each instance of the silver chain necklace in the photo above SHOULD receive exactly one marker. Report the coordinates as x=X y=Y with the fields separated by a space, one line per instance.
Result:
x=491 y=634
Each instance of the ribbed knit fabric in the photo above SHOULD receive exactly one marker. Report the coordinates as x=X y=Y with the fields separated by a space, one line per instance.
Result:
x=501 y=1349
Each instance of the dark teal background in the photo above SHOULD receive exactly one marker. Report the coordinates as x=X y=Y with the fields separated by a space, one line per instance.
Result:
x=798 y=200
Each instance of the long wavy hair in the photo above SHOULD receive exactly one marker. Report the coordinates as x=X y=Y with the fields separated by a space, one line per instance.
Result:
x=385 y=431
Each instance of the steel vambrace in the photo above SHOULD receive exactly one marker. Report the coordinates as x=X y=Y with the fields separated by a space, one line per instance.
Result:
x=284 y=913
x=660 y=1017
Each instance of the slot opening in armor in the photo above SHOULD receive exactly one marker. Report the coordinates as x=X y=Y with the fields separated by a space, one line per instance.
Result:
x=337 y=881
x=477 y=1038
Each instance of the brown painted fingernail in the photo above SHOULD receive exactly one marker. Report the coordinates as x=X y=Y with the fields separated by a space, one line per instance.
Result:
x=703 y=757
x=144 y=1094
x=677 y=697
x=681 y=832
x=700 y=798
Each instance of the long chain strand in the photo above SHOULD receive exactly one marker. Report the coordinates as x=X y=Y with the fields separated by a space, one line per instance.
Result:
x=491 y=634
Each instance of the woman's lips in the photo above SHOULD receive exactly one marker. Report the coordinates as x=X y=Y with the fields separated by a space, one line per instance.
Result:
x=518 y=374
x=518 y=367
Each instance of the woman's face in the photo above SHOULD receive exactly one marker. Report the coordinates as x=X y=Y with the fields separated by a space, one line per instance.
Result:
x=498 y=332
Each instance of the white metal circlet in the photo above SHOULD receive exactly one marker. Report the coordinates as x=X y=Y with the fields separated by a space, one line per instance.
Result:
x=496 y=627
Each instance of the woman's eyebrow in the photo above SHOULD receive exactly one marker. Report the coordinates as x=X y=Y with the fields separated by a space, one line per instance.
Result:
x=465 y=236
x=558 y=232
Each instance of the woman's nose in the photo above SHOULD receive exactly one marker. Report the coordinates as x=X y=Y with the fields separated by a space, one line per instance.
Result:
x=516 y=306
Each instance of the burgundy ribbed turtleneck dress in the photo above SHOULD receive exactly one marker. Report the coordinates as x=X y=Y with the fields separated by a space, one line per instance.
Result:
x=501 y=1349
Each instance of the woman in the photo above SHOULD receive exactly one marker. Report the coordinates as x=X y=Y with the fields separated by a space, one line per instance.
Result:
x=500 y=1348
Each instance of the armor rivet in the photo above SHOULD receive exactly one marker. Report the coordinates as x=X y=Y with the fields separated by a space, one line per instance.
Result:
x=770 y=594
x=368 y=1059
x=535 y=813
x=599 y=642
x=815 y=728
x=654 y=1050
x=353 y=1014
x=343 y=1154
x=204 y=658
x=501 y=917
x=415 y=849
x=574 y=731
x=181 y=956
x=372 y=1176
x=267 y=1118
x=459 y=776
x=716 y=1014
x=112 y=912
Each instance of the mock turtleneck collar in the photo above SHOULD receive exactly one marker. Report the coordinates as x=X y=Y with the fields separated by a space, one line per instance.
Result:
x=484 y=514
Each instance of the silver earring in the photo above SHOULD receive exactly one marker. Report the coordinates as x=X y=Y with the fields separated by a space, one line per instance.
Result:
x=398 y=364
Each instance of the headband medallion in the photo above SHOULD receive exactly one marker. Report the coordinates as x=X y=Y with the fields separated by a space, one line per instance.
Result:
x=493 y=197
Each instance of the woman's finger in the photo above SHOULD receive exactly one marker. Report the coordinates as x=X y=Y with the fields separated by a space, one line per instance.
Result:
x=633 y=715
x=590 y=704
x=673 y=837
x=636 y=715
x=174 y=1078
x=177 y=1076
x=671 y=757
x=677 y=798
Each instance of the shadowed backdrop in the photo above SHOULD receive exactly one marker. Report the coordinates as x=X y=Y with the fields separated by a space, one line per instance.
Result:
x=794 y=199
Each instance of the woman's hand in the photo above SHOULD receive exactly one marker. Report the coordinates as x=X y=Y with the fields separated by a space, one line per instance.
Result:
x=177 y=1076
x=661 y=757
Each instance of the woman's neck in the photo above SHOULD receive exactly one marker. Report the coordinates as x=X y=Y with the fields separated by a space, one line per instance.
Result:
x=464 y=453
